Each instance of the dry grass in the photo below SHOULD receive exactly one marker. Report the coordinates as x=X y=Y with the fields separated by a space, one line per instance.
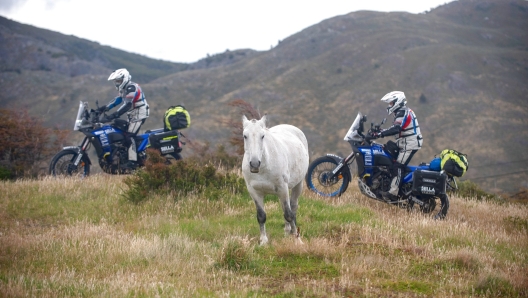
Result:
x=68 y=237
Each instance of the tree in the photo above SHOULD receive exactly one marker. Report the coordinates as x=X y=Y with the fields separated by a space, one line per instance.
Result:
x=244 y=108
x=25 y=144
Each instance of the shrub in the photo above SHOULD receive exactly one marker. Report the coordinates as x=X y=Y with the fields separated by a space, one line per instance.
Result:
x=5 y=174
x=25 y=144
x=180 y=178
x=203 y=154
x=469 y=189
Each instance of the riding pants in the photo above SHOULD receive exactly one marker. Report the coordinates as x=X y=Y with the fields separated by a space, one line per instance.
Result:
x=136 y=119
x=404 y=157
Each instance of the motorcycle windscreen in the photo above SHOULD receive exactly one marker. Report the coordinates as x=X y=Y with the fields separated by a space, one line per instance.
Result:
x=352 y=134
x=78 y=120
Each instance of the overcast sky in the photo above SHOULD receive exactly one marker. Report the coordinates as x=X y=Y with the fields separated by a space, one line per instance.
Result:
x=188 y=30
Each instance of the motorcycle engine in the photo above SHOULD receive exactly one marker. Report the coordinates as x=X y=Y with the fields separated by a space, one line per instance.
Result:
x=119 y=156
x=381 y=180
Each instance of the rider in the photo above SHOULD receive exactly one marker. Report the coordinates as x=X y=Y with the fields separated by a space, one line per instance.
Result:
x=134 y=102
x=408 y=136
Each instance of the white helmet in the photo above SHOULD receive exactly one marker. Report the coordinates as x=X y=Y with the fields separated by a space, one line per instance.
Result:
x=395 y=100
x=121 y=78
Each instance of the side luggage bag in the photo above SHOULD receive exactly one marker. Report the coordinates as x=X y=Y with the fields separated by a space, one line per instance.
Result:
x=168 y=142
x=429 y=183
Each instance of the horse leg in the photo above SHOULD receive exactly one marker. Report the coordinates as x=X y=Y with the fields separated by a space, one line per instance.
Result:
x=294 y=203
x=261 y=215
x=289 y=216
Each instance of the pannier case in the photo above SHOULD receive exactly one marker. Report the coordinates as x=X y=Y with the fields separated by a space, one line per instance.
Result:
x=429 y=183
x=167 y=142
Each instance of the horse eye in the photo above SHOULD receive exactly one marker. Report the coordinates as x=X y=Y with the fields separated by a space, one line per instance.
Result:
x=245 y=137
x=262 y=137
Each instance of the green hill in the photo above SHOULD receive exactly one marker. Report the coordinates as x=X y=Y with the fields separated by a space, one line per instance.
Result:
x=463 y=67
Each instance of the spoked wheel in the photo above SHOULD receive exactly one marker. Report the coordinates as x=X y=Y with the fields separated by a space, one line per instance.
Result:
x=62 y=164
x=319 y=178
x=435 y=206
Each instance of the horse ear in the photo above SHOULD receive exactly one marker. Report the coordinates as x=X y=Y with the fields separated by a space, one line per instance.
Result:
x=245 y=121
x=263 y=120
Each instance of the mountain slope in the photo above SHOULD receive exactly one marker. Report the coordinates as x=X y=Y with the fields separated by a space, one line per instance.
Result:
x=463 y=67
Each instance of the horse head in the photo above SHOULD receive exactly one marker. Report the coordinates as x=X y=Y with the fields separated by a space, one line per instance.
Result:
x=254 y=132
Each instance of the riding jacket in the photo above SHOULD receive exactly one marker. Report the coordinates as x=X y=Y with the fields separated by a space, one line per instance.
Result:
x=406 y=129
x=134 y=102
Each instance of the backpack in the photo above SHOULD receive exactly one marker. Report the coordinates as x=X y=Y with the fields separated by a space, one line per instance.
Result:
x=176 y=117
x=454 y=162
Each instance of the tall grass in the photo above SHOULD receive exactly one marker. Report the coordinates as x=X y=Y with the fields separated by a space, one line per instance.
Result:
x=83 y=238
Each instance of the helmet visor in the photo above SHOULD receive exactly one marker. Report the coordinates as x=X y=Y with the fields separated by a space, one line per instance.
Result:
x=118 y=82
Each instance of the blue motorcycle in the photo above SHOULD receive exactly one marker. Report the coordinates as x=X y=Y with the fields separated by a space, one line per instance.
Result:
x=110 y=144
x=423 y=187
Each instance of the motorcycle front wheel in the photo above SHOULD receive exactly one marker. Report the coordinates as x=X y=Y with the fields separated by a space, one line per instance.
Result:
x=62 y=164
x=318 y=178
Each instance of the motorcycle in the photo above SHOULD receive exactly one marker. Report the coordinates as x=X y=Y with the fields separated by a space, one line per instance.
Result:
x=109 y=141
x=422 y=187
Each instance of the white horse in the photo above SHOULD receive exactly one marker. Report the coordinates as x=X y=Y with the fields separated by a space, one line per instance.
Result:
x=275 y=161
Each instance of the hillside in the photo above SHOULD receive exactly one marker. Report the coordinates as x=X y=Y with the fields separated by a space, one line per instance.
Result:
x=463 y=67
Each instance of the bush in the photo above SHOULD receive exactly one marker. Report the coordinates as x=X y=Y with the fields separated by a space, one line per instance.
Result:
x=220 y=158
x=469 y=189
x=5 y=174
x=25 y=144
x=180 y=178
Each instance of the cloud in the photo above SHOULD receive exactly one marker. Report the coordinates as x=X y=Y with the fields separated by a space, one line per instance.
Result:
x=10 y=5
x=7 y=6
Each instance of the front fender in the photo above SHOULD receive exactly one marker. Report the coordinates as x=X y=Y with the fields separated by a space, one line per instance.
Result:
x=78 y=150
x=345 y=169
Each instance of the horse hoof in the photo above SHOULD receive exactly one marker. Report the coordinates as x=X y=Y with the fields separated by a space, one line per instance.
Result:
x=263 y=241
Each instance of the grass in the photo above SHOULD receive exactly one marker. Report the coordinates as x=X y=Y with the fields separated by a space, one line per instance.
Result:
x=83 y=238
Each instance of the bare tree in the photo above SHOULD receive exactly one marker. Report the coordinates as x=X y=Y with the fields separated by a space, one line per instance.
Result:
x=244 y=108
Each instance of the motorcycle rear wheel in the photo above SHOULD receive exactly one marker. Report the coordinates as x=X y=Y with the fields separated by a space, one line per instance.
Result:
x=62 y=164
x=436 y=206
x=317 y=178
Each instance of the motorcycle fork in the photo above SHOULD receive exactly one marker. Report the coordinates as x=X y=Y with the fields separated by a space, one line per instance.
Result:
x=343 y=163
x=82 y=149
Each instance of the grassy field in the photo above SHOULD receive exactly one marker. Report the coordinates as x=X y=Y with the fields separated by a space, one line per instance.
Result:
x=82 y=238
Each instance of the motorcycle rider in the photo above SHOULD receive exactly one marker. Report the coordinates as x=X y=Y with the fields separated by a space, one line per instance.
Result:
x=408 y=137
x=134 y=104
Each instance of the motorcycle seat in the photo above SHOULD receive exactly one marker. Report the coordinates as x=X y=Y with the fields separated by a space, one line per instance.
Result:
x=156 y=130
